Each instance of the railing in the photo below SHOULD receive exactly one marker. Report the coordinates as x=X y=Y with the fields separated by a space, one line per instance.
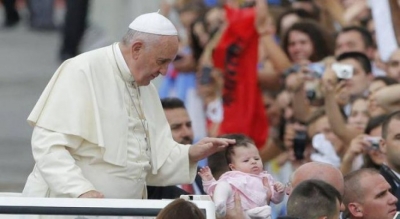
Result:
x=11 y=206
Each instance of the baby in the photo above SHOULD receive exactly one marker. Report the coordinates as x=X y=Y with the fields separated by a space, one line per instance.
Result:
x=247 y=177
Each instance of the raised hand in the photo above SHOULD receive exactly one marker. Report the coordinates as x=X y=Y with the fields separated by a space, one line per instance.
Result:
x=208 y=146
x=279 y=187
x=205 y=174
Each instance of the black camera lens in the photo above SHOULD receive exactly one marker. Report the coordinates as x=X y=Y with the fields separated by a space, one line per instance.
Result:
x=311 y=94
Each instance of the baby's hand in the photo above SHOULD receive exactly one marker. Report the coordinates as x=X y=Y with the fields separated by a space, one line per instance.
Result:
x=279 y=187
x=205 y=174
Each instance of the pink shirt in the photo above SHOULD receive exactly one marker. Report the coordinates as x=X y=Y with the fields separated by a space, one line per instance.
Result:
x=249 y=186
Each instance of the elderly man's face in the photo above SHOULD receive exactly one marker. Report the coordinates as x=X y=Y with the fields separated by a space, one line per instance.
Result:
x=154 y=58
x=181 y=125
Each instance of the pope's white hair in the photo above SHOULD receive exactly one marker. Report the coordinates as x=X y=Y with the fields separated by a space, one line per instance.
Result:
x=132 y=35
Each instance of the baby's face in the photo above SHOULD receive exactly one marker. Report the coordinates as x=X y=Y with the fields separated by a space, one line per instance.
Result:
x=247 y=160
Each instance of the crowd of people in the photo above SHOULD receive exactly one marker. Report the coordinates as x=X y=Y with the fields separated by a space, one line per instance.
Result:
x=327 y=77
x=286 y=109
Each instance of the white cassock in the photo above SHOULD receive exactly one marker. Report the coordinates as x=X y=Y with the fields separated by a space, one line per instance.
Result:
x=89 y=135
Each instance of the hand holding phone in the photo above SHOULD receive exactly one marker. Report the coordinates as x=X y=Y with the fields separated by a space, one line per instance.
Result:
x=374 y=141
x=205 y=75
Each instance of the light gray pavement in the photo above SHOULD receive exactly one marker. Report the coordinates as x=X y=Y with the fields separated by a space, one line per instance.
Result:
x=27 y=61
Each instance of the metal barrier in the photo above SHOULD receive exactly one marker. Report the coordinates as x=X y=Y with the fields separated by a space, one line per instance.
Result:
x=91 y=207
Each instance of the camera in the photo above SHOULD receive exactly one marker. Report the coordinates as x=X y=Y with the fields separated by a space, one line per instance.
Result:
x=343 y=71
x=374 y=142
x=316 y=69
x=299 y=144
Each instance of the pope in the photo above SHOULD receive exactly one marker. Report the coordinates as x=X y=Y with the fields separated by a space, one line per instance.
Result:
x=99 y=129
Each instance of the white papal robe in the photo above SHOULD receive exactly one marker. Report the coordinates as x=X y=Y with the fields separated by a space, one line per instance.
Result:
x=88 y=133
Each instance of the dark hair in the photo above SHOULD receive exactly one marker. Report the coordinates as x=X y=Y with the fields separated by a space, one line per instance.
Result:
x=393 y=116
x=301 y=13
x=194 y=6
x=373 y=123
x=365 y=35
x=197 y=48
x=172 y=103
x=313 y=194
x=320 y=39
x=386 y=80
x=217 y=164
x=359 y=57
x=181 y=208
x=241 y=141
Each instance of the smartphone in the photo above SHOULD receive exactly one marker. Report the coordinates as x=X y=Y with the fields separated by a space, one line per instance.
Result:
x=299 y=144
x=343 y=71
x=205 y=77
x=397 y=216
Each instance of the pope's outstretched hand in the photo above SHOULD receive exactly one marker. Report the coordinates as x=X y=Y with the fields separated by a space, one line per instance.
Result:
x=207 y=147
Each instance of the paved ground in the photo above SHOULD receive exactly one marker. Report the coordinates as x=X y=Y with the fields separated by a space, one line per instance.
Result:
x=27 y=61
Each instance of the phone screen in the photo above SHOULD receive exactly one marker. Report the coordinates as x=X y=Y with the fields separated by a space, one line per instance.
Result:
x=205 y=77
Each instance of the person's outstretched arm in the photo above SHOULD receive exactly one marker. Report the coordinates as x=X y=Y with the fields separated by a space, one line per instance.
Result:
x=388 y=97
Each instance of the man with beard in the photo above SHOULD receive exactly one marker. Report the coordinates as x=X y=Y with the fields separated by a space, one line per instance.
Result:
x=178 y=119
x=182 y=132
x=390 y=146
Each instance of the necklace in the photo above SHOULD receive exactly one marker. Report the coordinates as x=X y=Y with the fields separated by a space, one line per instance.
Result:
x=141 y=114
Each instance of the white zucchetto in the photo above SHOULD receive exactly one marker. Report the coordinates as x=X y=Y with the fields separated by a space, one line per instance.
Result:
x=153 y=23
